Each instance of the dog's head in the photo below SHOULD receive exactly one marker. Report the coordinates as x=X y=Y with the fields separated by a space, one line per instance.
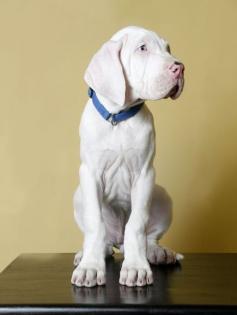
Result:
x=135 y=64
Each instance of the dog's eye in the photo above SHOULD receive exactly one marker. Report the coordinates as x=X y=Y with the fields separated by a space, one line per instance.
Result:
x=142 y=48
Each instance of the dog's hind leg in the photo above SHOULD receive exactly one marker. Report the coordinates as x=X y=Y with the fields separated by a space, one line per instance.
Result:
x=158 y=223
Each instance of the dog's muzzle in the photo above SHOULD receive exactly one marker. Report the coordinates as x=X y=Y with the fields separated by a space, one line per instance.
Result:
x=176 y=71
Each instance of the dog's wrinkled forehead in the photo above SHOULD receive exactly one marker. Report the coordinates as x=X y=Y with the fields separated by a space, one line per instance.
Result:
x=137 y=35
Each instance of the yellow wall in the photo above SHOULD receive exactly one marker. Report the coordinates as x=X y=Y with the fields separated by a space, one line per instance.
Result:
x=45 y=45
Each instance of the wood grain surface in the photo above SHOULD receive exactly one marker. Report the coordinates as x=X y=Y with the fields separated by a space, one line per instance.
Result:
x=40 y=284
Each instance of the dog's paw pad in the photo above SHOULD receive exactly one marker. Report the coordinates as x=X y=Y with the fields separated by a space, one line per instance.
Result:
x=87 y=277
x=78 y=277
x=132 y=277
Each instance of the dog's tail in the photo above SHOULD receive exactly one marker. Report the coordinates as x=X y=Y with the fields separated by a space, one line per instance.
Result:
x=179 y=257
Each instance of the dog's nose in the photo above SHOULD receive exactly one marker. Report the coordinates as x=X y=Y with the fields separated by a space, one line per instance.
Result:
x=177 y=69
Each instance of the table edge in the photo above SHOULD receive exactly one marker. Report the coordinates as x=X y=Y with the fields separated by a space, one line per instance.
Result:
x=117 y=309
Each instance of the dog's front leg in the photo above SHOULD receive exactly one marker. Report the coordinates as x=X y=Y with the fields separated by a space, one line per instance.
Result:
x=136 y=269
x=91 y=269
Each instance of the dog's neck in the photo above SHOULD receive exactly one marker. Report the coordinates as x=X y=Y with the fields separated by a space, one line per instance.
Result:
x=114 y=108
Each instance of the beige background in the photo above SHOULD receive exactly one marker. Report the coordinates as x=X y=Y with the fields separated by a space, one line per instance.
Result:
x=45 y=46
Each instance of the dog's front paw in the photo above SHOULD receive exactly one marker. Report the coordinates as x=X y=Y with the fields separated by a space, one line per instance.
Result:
x=89 y=276
x=77 y=258
x=135 y=274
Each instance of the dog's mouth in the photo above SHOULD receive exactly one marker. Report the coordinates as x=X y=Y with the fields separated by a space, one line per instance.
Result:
x=173 y=91
x=176 y=90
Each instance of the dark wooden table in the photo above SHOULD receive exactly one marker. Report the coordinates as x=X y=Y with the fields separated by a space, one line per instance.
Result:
x=40 y=284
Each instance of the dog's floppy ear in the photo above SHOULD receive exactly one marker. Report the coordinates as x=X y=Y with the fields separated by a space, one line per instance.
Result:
x=105 y=73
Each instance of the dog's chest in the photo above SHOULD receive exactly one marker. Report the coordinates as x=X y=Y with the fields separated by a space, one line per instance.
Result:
x=118 y=162
x=118 y=169
x=117 y=154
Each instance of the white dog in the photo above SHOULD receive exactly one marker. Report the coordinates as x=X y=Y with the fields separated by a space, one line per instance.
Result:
x=117 y=202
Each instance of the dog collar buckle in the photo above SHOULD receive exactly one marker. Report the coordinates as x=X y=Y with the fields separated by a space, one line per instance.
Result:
x=112 y=120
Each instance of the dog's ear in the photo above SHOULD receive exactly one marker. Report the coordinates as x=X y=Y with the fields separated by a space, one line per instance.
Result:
x=105 y=73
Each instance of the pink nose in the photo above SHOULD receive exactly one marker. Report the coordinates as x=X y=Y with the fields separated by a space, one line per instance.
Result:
x=176 y=69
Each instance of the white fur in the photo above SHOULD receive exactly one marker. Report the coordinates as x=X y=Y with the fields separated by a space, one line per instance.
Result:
x=117 y=202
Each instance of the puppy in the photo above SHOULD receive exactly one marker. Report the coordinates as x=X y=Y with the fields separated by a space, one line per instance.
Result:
x=117 y=202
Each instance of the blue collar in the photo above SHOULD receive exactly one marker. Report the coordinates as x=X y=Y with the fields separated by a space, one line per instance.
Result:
x=113 y=118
